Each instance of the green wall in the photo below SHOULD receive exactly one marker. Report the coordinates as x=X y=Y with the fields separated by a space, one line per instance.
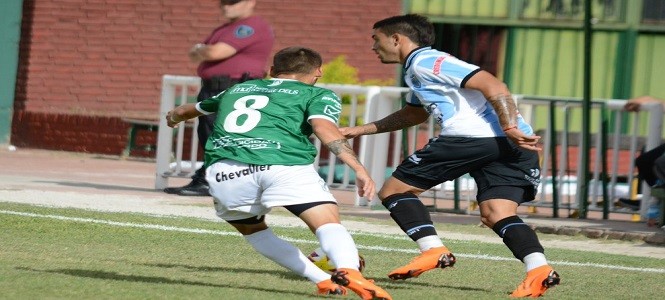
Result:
x=649 y=75
x=549 y=62
x=10 y=33
x=544 y=53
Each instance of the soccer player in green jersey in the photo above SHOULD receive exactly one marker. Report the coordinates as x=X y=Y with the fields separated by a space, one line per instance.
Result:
x=260 y=156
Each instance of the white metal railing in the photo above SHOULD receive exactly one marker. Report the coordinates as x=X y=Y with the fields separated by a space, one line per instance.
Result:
x=175 y=91
x=373 y=103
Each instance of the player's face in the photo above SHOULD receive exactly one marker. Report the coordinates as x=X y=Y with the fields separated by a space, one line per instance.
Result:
x=234 y=10
x=386 y=47
x=316 y=74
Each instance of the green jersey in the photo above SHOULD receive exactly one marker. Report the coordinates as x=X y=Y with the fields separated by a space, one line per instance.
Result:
x=266 y=121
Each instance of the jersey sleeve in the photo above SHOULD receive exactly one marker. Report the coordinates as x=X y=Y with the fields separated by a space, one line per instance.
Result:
x=412 y=99
x=246 y=34
x=210 y=105
x=445 y=69
x=325 y=105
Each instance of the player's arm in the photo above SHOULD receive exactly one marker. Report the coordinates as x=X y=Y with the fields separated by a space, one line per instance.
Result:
x=408 y=116
x=218 y=51
x=182 y=113
x=332 y=138
x=635 y=103
x=498 y=95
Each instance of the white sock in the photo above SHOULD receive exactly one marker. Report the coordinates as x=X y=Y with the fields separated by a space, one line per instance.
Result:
x=285 y=254
x=429 y=242
x=534 y=260
x=338 y=244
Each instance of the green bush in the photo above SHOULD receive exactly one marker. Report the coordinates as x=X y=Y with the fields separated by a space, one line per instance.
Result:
x=338 y=71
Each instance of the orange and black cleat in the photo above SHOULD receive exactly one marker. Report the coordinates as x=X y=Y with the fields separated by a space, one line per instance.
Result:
x=537 y=282
x=327 y=287
x=355 y=281
x=439 y=257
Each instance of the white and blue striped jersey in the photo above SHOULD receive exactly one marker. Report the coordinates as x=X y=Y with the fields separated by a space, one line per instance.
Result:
x=437 y=83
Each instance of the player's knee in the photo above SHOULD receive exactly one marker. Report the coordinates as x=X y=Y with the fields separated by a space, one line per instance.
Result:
x=388 y=190
x=250 y=225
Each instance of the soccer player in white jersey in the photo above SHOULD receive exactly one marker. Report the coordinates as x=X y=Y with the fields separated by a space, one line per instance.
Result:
x=259 y=156
x=482 y=134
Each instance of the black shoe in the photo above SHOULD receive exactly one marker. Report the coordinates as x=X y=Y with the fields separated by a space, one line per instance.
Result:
x=628 y=203
x=191 y=189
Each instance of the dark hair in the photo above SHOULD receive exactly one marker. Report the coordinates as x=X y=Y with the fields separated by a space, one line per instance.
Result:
x=295 y=60
x=416 y=27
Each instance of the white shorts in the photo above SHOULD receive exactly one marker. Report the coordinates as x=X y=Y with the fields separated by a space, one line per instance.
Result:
x=243 y=191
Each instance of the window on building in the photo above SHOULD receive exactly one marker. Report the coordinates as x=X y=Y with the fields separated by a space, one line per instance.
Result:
x=653 y=11
x=479 y=45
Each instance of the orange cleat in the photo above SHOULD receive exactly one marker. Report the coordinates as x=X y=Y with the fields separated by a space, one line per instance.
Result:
x=327 y=287
x=537 y=282
x=355 y=281
x=439 y=257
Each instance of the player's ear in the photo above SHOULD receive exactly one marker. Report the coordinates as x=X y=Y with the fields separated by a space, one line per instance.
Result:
x=270 y=72
x=396 y=38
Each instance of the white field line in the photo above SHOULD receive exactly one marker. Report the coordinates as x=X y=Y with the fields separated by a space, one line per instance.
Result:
x=375 y=248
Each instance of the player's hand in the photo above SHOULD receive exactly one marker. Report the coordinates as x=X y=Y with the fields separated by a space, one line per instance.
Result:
x=523 y=140
x=350 y=132
x=365 y=184
x=635 y=103
x=170 y=120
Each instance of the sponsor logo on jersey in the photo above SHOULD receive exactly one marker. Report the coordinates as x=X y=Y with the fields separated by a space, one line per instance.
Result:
x=252 y=88
x=276 y=82
x=244 y=31
x=332 y=111
x=437 y=65
x=250 y=143
x=333 y=99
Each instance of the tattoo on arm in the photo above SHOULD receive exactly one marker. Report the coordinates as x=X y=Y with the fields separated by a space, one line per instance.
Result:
x=391 y=123
x=505 y=108
x=342 y=146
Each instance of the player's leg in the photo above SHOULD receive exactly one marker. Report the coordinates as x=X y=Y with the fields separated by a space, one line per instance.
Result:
x=263 y=240
x=502 y=186
x=501 y=216
x=414 y=219
x=301 y=190
x=315 y=205
x=442 y=159
x=645 y=164
x=323 y=219
x=237 y=200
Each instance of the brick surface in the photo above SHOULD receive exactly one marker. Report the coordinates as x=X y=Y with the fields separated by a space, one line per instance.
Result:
x=93 y=57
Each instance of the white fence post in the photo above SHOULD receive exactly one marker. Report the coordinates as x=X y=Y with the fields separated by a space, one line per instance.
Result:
x=381 y=101
x=165 y=133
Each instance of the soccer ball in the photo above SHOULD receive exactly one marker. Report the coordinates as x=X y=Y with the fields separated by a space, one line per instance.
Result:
x=320 y=259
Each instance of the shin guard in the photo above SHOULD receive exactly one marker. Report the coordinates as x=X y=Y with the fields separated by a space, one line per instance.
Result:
x=410 y=214
x=518 y=236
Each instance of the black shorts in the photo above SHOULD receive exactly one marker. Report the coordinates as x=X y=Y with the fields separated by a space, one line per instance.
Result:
x=500 y=168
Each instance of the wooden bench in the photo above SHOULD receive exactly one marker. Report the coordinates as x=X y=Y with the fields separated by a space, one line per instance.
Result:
x=135 y=125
